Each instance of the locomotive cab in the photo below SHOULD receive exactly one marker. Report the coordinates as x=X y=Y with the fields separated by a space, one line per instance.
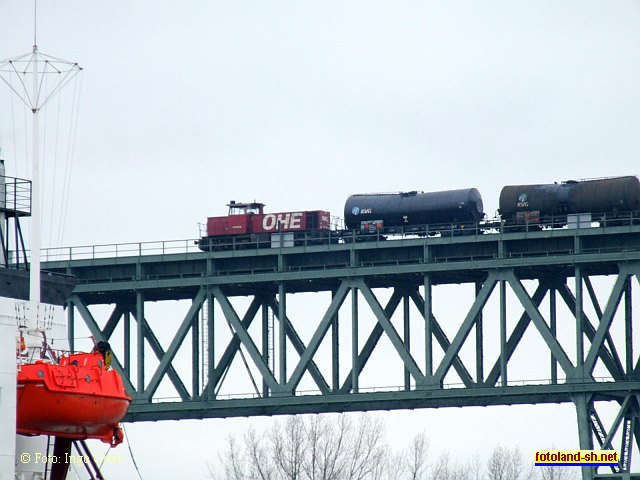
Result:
x=253 y=208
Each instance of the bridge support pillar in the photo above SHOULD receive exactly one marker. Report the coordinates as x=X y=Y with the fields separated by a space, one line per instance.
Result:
x=355 y=372
x=584 y=430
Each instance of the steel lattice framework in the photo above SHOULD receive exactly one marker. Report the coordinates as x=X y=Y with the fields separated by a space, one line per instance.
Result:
x=554 y=277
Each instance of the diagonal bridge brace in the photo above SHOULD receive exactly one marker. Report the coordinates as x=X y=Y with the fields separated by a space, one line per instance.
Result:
x=609 y=356
x=409 y=362
x=105 y=335
x=596 y=306
x=159 y=352
x=441 y=338
x=86 y=315
x=189 y=320
x=517 y=334
x=606 y=443
x=372 y=341
x=627 y=417
x=298 y=344
x=114 y=319
x=465 y=328
x=246 y=340
x=607 y=317
x=318 y=336
x=230 y=352
x=536 y=317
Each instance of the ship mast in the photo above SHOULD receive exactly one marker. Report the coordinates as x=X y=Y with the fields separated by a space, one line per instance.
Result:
x=36 y=78
x=36 y=222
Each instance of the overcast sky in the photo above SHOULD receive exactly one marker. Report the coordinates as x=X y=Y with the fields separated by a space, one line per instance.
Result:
x=187 y=105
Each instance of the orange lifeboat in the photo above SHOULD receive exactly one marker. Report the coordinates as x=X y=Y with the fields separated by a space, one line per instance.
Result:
x=79 y=397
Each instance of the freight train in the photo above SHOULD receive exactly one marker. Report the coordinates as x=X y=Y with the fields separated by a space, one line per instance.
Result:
x=375 y=216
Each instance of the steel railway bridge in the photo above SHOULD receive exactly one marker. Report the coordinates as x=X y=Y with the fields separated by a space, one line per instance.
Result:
x=560 y=299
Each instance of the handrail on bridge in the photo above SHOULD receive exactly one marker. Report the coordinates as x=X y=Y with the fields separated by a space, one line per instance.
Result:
x=400 y=388
x=110 y=250
x=164 y=247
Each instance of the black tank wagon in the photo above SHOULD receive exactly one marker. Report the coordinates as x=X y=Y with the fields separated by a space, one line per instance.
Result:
x=411 y=211
x=548 y=205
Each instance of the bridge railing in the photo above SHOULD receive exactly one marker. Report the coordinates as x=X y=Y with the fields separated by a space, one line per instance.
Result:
x=116 y=250
x=307 y=239
x=391 y=388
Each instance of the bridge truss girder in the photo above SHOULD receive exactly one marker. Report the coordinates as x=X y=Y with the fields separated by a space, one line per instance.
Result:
x=561 y=300
x=423 y=380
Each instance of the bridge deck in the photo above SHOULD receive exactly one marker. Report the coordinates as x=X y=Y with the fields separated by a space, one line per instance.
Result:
x=449 y=260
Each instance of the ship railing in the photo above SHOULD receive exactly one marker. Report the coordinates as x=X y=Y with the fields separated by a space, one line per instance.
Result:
x=16 y=196
x=33 y=354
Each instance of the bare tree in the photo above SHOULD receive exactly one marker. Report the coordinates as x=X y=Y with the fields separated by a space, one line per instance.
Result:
x=355 y=448
x=259 y=455
x=548 y=472
x=442 y=468
x=232 y=462
x=460 y=471
x=475 y=467
x=289 y=445
x=250 y=460
x=445 y=469
x=325 y=441
x=415 y=458
x=367 y=449
x=498 y=464
x=508 y=464
x=318 y=449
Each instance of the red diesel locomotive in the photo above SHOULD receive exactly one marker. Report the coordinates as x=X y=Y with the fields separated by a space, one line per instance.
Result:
x=247 y=224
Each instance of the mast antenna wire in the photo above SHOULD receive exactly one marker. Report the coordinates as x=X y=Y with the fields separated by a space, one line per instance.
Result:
x=71 y=150
x=35 y=22
x=126 y=435
x=55 y=168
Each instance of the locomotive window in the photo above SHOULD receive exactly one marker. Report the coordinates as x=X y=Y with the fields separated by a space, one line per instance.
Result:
x=243 y=209
x=311 y=221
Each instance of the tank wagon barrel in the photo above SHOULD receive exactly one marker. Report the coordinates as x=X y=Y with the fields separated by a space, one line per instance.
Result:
x=413 y=208
x=532 y=203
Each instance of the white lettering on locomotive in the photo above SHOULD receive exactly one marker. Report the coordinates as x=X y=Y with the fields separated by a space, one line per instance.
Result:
x=365 y=210
x=282 y=221
x=295 y=222
x=268 y=221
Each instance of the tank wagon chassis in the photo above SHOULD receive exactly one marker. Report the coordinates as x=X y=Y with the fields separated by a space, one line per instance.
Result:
x=375 y=217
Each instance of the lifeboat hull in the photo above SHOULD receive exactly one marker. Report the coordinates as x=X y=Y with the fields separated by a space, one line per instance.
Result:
x=79 y=398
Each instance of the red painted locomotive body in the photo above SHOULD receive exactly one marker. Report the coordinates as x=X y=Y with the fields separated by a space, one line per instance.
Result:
x=247 y=224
